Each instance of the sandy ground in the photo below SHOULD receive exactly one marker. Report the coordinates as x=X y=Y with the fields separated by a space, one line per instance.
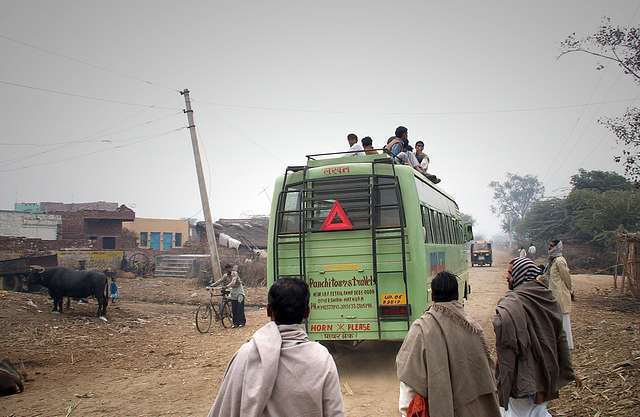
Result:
x=148 y=359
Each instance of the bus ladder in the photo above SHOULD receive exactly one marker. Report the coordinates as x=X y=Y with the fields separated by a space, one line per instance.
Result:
x=388 y=233
x=298 y=238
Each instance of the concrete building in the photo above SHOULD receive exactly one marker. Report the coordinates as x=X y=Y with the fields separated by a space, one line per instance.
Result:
x=27 y=207
x=159 y=234
x=99 y=222
x=29 y=225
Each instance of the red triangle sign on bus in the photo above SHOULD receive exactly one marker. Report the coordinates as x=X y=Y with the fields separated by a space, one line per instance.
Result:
x=336 y=210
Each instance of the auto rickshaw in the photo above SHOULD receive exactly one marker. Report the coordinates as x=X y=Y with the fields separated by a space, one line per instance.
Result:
x=481 y=253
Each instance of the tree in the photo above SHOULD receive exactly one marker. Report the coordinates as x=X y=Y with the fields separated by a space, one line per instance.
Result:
x=600 y=204
x=513 y=198
x=599 y=180
x=468 y=219
x=620 y=45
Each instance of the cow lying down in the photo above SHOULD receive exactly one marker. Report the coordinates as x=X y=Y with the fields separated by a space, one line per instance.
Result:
x=64 y=282
x=10 y=379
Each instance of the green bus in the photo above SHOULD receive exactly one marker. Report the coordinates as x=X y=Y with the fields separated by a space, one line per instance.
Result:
x=367 y=235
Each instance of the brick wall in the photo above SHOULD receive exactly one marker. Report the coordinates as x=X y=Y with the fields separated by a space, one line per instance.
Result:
x=103 y=227
x=17 y=247
x=72 y=225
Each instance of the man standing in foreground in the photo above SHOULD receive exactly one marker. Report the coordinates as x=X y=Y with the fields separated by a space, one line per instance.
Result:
x=533 y=356
x=279 y=372
x=558 y=278
x=444 y=359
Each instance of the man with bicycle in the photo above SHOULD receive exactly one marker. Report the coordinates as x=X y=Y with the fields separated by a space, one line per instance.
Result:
x=231 y=281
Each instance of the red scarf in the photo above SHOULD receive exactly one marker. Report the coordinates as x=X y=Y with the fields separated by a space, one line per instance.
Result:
x=418 y=407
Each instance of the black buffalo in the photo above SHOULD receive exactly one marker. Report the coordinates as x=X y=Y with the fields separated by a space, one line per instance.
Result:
x=10 y=379
x=64 y=282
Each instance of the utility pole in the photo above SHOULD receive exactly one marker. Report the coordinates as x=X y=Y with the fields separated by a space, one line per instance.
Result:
x=206 y=210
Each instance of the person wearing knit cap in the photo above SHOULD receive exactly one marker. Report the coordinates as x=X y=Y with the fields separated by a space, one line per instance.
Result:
x=533 y=358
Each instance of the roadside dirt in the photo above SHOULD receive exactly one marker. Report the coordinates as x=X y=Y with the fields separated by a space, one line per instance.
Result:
x=148 y=359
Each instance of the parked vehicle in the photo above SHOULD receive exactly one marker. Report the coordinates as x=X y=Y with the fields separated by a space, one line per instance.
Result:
x=481 y=253
x=14 y=273
x=367 y=236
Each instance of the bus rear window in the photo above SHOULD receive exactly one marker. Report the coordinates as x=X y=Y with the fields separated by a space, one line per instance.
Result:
x=353 y=194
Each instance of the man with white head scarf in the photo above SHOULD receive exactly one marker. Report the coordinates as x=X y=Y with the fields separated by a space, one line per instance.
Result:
x=533 y=359
x=558 y=278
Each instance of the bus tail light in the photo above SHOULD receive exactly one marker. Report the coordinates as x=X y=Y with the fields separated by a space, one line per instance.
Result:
x=395 y=312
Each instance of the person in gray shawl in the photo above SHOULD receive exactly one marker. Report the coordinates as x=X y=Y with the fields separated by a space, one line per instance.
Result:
x=279 y=372
x=444 y=359
x=533 y=355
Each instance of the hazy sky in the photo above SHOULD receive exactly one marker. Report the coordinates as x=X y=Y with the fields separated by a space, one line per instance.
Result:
x=273 y=81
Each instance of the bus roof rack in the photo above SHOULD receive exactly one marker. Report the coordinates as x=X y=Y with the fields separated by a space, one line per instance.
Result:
x=295 y=168
x=343 y=153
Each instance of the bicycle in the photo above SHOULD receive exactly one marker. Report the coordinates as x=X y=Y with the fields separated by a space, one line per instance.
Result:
x=221 y=309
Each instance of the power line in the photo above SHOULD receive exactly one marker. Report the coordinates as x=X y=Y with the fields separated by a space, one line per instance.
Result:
x=241 y=133
x=84 y=62
x=95 y=98
x=560 y=154
x=143 y=139
x=601 y=141
x=99 y=139
x=446 y=113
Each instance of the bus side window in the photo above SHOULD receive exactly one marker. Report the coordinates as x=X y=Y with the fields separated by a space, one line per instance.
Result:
x=426 y=222
x=443 y=229
x=435 y=218
x=447 y=230
x=452 y=231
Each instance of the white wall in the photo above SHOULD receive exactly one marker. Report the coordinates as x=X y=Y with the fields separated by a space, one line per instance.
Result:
x=41 y=226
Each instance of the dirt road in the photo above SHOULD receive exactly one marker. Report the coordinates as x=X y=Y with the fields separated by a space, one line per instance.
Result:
x=148 y=360
x=368 y=374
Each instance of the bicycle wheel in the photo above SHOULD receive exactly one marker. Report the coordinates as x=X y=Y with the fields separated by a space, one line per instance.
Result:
x=226 y=317
x=204 y=314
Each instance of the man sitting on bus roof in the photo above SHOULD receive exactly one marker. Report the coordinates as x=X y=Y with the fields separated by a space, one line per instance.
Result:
x=444 y=363
x=279 y=372
x=423 y=158
x=355 y=147
x=398 y=147
x=367 y=144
